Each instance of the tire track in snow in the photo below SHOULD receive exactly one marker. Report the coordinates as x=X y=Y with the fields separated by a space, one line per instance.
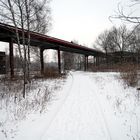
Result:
x=101 y=111
x=96 y=108
x=58 y=108
x=101 y=120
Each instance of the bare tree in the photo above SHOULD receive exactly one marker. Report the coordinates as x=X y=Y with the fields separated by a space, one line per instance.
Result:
x=136 y=46
x=104 y=42
x=29 y=15
x=128 y=16
x=117 y=40
x=41 y=19
x=40 y=22
x=121 y=39
x=131 y=16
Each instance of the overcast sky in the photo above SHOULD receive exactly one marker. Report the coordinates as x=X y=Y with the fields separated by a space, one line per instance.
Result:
x=82 y=20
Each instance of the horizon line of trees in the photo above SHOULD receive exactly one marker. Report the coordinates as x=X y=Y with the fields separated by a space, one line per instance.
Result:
x=121 y=42
x=122 y=39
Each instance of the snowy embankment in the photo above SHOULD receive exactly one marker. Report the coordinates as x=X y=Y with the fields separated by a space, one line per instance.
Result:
x=90 y=106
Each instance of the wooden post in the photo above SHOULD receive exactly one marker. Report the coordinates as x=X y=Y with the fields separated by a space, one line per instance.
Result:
x=42 y=60
x=59 y=61
x=11 y=58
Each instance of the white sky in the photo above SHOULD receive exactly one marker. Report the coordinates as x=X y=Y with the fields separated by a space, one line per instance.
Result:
x=82 y=20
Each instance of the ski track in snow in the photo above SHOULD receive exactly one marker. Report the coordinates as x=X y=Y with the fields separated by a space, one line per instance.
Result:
x=86 y=109
x=59 y=106
x=82 y=116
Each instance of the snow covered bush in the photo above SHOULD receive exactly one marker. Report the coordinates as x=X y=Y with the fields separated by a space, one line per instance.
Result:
x=13 y=107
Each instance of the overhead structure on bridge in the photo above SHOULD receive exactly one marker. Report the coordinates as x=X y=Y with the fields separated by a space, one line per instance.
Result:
x=8 y=34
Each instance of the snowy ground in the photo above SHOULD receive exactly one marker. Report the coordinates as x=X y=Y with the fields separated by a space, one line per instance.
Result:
x=90 y=106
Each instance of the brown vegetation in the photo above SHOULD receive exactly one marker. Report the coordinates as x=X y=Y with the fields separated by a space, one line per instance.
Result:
x=129 y=73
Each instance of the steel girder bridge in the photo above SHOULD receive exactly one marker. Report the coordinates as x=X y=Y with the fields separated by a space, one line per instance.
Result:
x=8 y=34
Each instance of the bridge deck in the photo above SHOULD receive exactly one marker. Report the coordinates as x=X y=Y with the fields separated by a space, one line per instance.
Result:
x=46 y=42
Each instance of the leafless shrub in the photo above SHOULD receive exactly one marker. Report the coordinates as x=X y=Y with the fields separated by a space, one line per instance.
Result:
x=37 y=96
x=45 y=99
x=129 y=73
x=51 y=72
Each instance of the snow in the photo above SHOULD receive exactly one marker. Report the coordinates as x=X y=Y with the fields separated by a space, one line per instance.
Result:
x=88 y=106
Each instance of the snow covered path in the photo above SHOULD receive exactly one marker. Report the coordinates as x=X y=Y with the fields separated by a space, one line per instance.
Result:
x=87 y=114
x=81 y=116
x=90 y=106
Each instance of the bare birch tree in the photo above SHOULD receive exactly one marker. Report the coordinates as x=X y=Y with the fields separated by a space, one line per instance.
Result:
x=29 y=15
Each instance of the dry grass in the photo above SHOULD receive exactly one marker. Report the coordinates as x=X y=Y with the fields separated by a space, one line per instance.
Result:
x=39 y=93
x=37 y=96
x=51 y=72
x=129 y=73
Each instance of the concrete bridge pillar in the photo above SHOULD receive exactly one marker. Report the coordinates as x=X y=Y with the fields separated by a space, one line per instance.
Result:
x=42 y=60
x=86 y=62
x=59 y=61
x=11 y=57
x=97 y=61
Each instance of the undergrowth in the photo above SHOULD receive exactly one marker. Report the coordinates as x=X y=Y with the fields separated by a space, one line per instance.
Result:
x=13 y=107
x=129 y=74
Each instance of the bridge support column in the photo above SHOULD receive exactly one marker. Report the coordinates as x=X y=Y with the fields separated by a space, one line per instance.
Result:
x=86 y=62
x=59 y=61
x=42 y=60
x=97 y=61
x=11 y=58
x=94 y=60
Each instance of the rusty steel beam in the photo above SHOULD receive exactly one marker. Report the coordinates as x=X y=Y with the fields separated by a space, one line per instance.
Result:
x=11 y=58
